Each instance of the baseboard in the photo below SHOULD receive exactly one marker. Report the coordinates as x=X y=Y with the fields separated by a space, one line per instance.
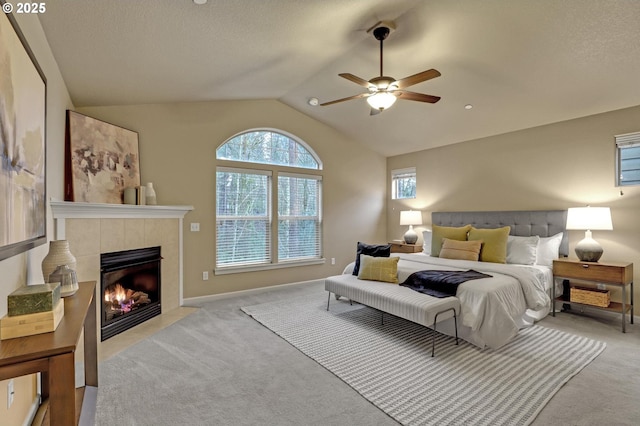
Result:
x=33 y=411
x=196 y=301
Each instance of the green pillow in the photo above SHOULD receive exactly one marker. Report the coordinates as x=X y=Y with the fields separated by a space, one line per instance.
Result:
x=440 y=232
x=378 y=269
x=494 y=247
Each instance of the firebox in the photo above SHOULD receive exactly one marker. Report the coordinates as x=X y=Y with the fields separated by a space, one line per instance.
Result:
x=130 y=288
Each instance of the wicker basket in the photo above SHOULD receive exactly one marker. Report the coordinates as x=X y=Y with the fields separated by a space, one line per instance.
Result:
x=590 y=296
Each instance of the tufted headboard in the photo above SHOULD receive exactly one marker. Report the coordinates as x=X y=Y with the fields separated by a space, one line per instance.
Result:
x=544 y=223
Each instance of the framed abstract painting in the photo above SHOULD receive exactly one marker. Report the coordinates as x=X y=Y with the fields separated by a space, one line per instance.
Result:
x=23 y=100
x=101 y=160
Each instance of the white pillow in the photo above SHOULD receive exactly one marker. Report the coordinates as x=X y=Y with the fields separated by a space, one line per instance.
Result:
x=549 y=249
x=522 y=250
x=426 y=243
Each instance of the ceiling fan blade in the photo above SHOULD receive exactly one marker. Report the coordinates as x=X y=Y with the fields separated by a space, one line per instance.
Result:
x=361 y=95
x=361 y=81
x=413 y=96
x=417 y=78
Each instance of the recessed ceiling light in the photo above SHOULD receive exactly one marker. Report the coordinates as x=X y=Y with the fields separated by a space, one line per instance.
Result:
x=313 y=101
x=468 y=106
x=199 y=1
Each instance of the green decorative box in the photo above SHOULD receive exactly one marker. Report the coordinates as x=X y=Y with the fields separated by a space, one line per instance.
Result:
x=31 y=299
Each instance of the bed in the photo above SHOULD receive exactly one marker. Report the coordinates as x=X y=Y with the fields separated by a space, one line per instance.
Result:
x=493 y=310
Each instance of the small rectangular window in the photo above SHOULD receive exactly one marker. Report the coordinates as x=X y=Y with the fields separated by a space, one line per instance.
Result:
x=403 y=183
x=628 y=159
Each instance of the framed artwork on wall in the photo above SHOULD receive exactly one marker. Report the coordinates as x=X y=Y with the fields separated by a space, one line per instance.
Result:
x=101 y=160
x=23 y=100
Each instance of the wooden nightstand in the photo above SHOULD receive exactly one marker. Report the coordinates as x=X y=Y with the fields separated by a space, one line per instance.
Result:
x=617 y=274
x=397 y=247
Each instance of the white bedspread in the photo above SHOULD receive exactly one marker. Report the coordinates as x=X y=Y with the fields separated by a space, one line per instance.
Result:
x=493 y=309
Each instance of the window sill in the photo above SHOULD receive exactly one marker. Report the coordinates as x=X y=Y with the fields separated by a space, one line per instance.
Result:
x=267 y=267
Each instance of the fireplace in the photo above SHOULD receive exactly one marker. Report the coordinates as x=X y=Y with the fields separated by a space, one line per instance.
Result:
x=130 y=289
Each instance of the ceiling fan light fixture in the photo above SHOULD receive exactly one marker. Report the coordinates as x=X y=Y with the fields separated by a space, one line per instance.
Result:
x=381 y=100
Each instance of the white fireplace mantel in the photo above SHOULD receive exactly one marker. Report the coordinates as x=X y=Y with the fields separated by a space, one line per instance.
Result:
x=63 y=210
x=74 y=210
x=71 y=210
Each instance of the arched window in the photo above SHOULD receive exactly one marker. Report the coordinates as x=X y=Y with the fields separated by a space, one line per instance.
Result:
x=248 y=197
x=268 y=147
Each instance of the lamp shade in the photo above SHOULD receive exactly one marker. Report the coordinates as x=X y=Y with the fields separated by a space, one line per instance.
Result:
x=589 y=218
x=381 y=100
x=411 y=217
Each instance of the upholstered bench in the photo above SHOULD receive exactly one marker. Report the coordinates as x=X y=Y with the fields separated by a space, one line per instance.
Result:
x=395 y=300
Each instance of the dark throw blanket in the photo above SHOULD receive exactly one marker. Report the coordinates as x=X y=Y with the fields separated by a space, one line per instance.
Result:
x=440 y=283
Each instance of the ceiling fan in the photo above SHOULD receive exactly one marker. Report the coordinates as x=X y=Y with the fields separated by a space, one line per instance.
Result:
x=384 y=90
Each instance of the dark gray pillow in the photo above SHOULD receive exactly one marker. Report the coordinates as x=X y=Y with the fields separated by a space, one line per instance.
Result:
x=380 y=250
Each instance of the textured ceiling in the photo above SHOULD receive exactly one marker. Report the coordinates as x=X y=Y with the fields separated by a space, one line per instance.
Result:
x=520 y=63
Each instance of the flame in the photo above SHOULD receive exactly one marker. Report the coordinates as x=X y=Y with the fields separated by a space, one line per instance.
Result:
x=118 y=294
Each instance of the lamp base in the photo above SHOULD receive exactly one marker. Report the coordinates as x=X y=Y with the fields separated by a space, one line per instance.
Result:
x=589 y=250
x=410 y=237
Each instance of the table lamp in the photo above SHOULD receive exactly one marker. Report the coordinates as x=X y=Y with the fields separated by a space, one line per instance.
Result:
x=588 y=219
x=410 y=217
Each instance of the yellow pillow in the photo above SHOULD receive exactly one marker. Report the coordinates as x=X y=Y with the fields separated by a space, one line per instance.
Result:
x=494 y=247
x=378 y=269
x=460 y=250
x=440 y=232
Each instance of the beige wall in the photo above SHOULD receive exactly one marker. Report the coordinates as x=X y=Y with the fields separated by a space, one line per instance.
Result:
x=177 y=153
x=25 y=268
x=557 y=166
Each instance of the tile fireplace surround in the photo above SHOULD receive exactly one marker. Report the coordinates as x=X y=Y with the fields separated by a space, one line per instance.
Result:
x=92 y=229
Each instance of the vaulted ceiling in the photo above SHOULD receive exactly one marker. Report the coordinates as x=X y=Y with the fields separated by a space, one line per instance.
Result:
x=520 y=63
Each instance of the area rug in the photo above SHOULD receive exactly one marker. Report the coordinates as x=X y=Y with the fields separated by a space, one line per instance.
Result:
x=390 y=363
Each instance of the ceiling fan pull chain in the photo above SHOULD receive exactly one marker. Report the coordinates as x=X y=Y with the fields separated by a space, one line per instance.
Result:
x=381 y=41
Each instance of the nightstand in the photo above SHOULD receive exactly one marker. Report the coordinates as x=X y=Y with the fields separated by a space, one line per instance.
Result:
x=603 y=274
x=397 y=247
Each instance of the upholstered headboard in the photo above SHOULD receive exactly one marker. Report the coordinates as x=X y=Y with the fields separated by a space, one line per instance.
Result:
x=544 y=223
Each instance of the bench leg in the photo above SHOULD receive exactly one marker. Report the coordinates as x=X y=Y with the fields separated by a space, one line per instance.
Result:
x=435 y=321
x=328 y=300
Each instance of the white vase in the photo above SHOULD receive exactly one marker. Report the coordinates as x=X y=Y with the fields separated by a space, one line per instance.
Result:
x=150 y=195
x=58 y=255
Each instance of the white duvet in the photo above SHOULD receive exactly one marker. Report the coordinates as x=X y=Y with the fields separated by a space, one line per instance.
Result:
x=492 y=309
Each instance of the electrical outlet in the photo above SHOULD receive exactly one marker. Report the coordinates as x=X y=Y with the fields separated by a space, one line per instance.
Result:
x=205 y=275
x=602 y=286
x=333 y=260
x=195 y=227
x=10 y=393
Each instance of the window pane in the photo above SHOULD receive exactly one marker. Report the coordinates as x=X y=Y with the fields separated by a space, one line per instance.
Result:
x=298 y=239
x=242 y=242
x=266 y=147
x=242 y=218
x=241 y=194
x=298 y=218
x=629 y=166
x=403 y=184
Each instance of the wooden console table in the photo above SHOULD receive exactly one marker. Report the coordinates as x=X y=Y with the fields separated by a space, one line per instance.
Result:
x=52 y=354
